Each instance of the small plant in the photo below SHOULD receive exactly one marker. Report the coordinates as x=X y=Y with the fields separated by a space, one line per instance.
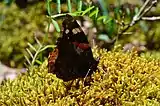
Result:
x=34 y=56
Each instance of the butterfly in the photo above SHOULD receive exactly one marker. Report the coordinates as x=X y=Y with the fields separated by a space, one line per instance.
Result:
x=72 y=58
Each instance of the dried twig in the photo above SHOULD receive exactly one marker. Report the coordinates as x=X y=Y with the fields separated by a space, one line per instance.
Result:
x=153 y=18
x=143 y=10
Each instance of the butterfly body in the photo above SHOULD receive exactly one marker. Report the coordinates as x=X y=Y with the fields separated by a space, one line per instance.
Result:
x=74 y=58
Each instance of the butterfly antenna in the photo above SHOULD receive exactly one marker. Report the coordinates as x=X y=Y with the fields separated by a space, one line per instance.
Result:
x=86 y=76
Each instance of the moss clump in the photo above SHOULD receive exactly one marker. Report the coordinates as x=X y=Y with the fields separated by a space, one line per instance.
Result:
x=121 y=79
x=17 y=28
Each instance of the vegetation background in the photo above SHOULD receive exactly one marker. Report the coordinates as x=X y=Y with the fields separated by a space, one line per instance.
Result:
x=107 y=25
x=28 y=32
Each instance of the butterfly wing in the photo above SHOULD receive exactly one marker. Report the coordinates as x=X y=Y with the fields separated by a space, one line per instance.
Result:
x=75 y=57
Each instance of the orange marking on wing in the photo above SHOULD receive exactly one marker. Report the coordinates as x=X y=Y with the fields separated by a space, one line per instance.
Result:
x=51 y=60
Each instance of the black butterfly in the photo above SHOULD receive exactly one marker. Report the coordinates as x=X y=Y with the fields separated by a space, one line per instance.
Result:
x=72 y=58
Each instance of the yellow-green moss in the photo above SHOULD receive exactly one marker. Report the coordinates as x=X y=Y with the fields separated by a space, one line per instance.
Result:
x=121 y=79
x=17 y=28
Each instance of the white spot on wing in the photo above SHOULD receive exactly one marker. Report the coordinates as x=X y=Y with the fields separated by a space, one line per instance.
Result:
x=74 y=31
x=78 y=29
x=67 y=31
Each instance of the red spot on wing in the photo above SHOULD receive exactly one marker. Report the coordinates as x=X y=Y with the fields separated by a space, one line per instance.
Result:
x=83 y=46
x=75 y=43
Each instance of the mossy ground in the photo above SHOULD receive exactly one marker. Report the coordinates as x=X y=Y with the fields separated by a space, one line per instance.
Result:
x=121 y=79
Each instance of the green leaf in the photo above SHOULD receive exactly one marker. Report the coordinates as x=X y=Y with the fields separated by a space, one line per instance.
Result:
x=95 y=12
x=56 y=25
x=59 y=6
x=69 y=6
x=76 y=13
x=46 y=47
x=33 y=48
x=87 y=10
x=79 y=5
x=40 y=45
x=27 y=59
x=49 y=6
x=101 y=18
x=104 y=19
x=39 y=62
x=29 y=52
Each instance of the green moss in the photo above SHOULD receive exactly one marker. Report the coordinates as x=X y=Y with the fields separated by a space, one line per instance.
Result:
x=121 y=79
x=17 y=28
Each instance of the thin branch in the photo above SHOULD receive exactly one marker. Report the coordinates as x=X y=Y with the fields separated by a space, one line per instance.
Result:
x=143 y=10
x=153 y=18
x=149 y=8
x=136 y=17
x=35 y=55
